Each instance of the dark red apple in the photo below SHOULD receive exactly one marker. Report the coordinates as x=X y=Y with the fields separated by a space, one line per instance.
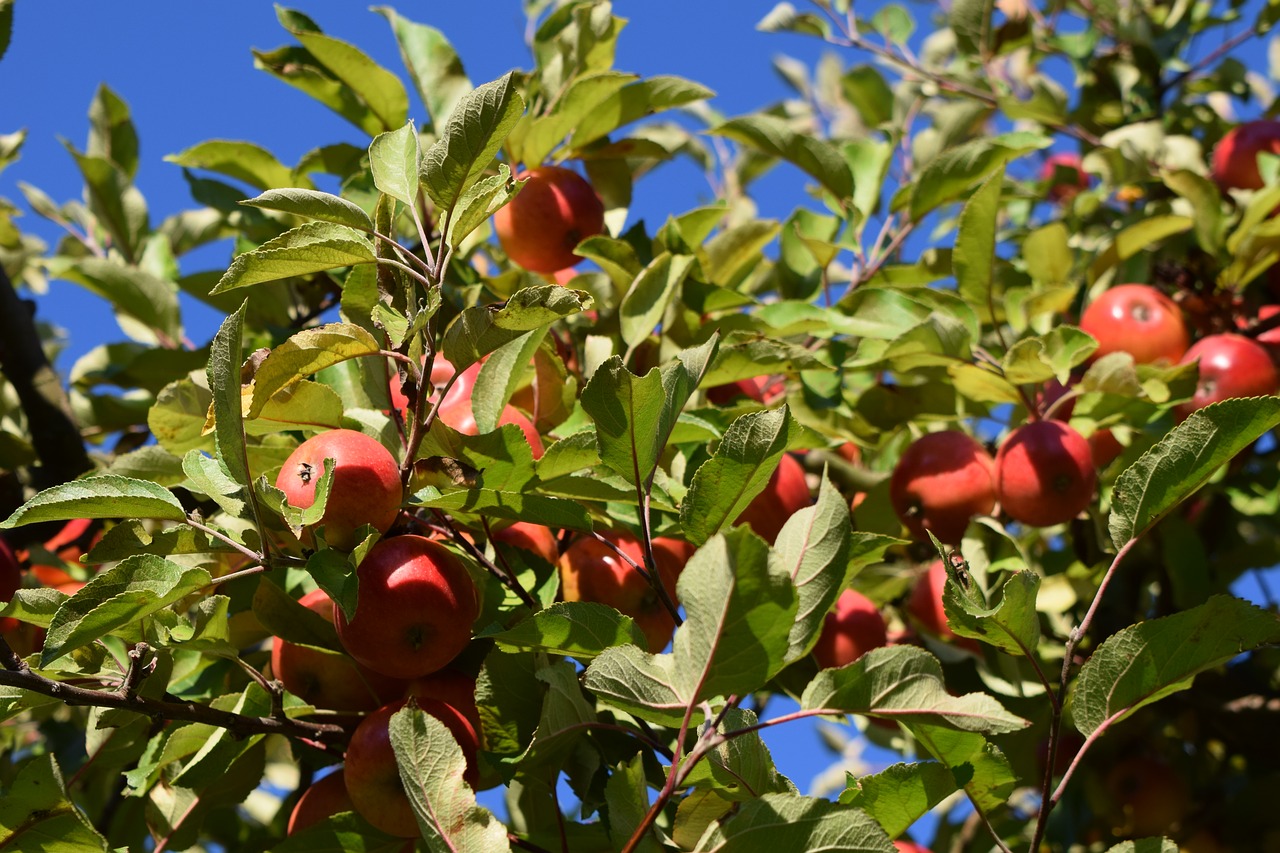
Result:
x=537 y=539
x=1044 y=474
x=849 y=631
x=554 y=211
x=1230 y=366
x=1235 y=158
x=784 y=495
x=925 y=606
x=10 y=582
x=1139 y=320
x=325 y=798
x=1064 y=176
x=941 y=482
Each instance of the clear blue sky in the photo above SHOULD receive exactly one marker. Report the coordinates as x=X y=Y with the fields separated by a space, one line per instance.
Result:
x=186 y=70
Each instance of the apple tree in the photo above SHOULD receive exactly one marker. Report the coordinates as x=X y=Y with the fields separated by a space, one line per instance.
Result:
x=484 y=484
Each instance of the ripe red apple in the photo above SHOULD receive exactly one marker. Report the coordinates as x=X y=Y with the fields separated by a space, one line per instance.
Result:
x=1044 y=474
x=784 y=495
x=366 y=483
x=852 y=629
x=910 y=846
x=329 y=681
x=1050 y=394
x=453 y=688
x=1064 y=176
x=455 y=411
x=1105 y=448
x=1235 y=158
x=1146 y=796
x=373 y=779
x=68 y=545
x=554 y=211
x=941 y=482
x=10 y=582
x=925 y=606
x=592 y=571
x=1230 y=366
x=1139 y=320
x=325 y=798
x=1270 y=338
x=414 y=611
x=537 y=539
x=441 y=370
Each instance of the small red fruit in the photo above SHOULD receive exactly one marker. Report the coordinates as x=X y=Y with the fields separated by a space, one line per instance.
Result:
x=784 y=495
x=852 y=629
x=925 y=606
x=554 y=211
x=910 y=847
x=325 y=798
x=10 y=582
x=456 y=412
x=1230 y=366
x=1105 y=448
x=941 y=482
x=414 y=610
x=366 y=483
x=1235 y=158
x=534 y=538
x=1044 y=474
x=1064 y=176
x=1139 y=320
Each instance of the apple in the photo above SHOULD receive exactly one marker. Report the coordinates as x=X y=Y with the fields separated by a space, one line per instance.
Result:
x=534 y=538
x=1230 y=366
x=68 y=545
x=554 y=211
x=942 y=481
x=326 y=680
x=785 y=494
x=1105 y=448
x=1044 y=474
x=1064 y=176
x=592 y=571
x=366 y=483
x=1146 y=797
x=441 y=370
x=852 y=629
x=1139 y=320
x=373 y=779
x=456 y=412
x=1050 y=394
x=1270 y=338
x=325 y=798
x=765 y=390
x=10 y=582
x=414 y=610
x=910 y=847
x=1235 y=158
x=925 y=606
x=453 y=688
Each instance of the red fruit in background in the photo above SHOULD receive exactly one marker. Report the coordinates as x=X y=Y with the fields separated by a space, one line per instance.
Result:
x=329 y=681
x=1146 y=797
x=554 y=211
x=1105 y=448
x=534 y=538
x=10 y=582
x=1230 y=366
x=1065 y=177
x=592 y=571
x=925 y=605
x=752 y=388
x=325 y=798
x=785 y=494
x=1044 y=474
x=1235 y=158
x=69 y=544
x=456 y=411
x=852 y=629
x=453 y=688
x=1048 y=397
x=1270 y=338
x=910 y=847
x=941 y=482
x=366 y=483
x=1139 y=320
x=414 y=611
x=373 y=779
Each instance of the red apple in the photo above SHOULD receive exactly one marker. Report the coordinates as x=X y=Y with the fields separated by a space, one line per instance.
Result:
x=763 y=389
x=414 y=611
x=456 y=411
x=366 y=483
x=1105 y=448
x=1235 y=158
x=850 y=452
x=1044 y=474
x=592 y=571
x=784 y=495
x=910 y=847
x=325 y=798
x=453 y=688
x=1050 y=394
x=852 y=629
x=941 y=482
x=1064 y=176
x=1139 y=320
x=1230 y=366
x=441 y=370
x=10 y=582
x=537 y=539
x=325 y=680
x=69 y=544
x=373 y=779
x=1270 y=338
x=925 y=606
x=554 y=211
x=1146 y=797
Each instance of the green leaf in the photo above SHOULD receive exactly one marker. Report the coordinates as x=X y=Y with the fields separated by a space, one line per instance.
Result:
x=1145 y=845
x=393 y=159
x=775 y=137
x=792 y=822
x=300 y=69
x=377 y=87
x=310 y=248
x=119 y=206
x=219 y=748
x=949 y=176
x=538 y=137
x=1137 y=237
x=475 y=131
x=207 y=477
x=132 y=292
x=35 y=811
x=111 y=133
x=814 y=547
x=581 y=629
x=635 y=415
x=431 y=768
x=500 y=376
x=645 y=303
x=1146 y=662
x=243 y=161
x=905 y=683
x=626 y=795
x=740 y=767
x=481 y=329
x=102 y=496
x=865 y=87
x=980 y=766
x=178 y=416
x=134 y=588
x=514 y=505
x=1012 y=625
x=302 y=405
x=314 y=205
x=344 y=832
x=901 y=794
x=724 y=486
x=971 y=22
x=223 y=373
x=1184 y=459
x=304 y=354
x=432 y=63
x=973 y=258
x=133 y=537
x=1047 y=255
x=640 y=683
x=481 y=200
x=743 y=355
x=283 y=616
x=635 y=101
x=1032 y=361
x=36 y=606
